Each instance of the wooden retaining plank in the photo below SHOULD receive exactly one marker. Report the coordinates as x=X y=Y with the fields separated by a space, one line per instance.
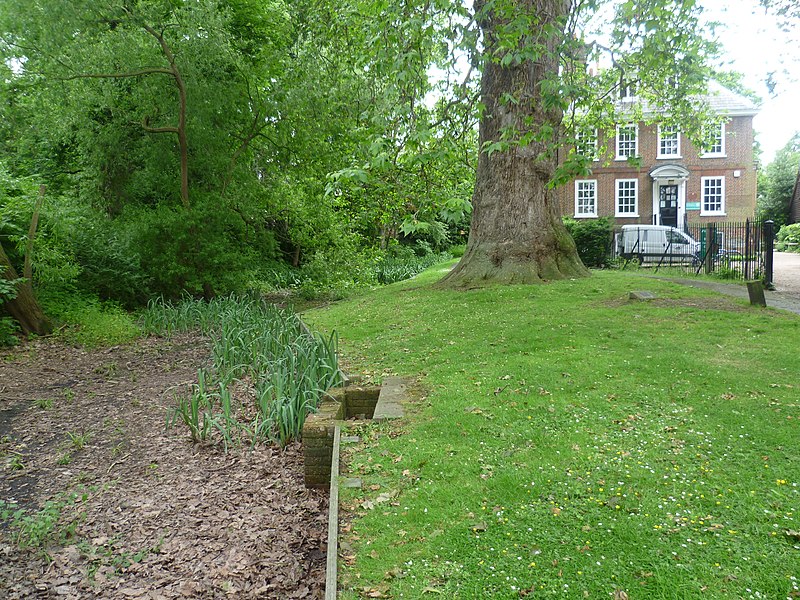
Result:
x=333 y=521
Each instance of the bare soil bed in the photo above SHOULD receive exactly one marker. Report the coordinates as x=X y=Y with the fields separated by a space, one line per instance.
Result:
x=144 y=513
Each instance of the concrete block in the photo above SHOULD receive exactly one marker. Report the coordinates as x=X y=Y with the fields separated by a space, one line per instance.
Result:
x=390 y=400
x=641 y=295
x=755 y=289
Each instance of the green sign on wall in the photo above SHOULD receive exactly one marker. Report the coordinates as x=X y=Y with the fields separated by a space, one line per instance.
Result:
x=692 y=206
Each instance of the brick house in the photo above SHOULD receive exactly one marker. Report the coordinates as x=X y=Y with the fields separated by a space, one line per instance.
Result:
x=676 y=183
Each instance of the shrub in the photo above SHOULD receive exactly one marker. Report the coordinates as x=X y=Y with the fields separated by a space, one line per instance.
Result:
x=593 y=239
x=200 y=251
x=110 y=264
x=391 y=269
x=8 y=332
x=8 y=327
x=789 y=238
x=88 y=321
x=8 y=287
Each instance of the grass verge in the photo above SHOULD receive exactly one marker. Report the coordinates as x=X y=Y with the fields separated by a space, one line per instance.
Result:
x=575 y=444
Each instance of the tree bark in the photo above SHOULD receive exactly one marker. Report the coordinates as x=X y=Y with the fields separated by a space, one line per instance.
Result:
x=517 y=235
x=24 y=308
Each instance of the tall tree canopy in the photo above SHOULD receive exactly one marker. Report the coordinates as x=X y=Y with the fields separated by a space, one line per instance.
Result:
x=221 y=139
x=778 y=181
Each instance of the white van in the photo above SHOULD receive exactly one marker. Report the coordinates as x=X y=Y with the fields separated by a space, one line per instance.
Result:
x=652 y=243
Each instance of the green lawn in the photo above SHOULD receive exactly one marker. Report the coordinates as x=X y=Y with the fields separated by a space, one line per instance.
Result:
x=572 y=443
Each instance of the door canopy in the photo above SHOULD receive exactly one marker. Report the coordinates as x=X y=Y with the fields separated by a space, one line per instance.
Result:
x=672 y=173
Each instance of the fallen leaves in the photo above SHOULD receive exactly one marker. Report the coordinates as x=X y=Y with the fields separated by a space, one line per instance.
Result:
x=381 y=591
x=792 y=534
x=242 y=522
x=394 y=573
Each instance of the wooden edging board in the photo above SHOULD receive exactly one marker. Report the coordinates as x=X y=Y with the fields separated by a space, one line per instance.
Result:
x=333 y=521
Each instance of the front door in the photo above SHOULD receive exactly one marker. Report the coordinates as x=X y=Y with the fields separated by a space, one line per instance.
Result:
x=668 y=205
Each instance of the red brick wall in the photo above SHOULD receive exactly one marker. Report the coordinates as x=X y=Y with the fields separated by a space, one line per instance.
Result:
x=740 y=192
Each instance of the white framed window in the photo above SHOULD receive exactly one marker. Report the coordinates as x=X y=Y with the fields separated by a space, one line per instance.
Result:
x=627 y=90
x=585 y=198
x=714 y=142
x=669 y=142
x=712 y=196
x=627 y=141
x=586 y=144
x=627 y=198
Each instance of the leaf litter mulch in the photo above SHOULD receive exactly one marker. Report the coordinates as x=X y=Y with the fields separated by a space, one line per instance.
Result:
x=119 y=507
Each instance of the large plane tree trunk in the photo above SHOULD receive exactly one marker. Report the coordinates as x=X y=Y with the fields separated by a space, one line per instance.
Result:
x=24 y=308
x=517 y=235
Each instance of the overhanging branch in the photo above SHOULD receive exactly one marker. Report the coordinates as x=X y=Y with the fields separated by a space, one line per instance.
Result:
x=149 y=129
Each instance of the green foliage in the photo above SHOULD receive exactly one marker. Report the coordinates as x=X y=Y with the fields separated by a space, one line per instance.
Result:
x=44 y=403
x=110 y=262
x=8 y=332
x=336 y=273
x=593 y=238
x=403 y=263
x=195 y=411
x=78 y=440
x=778 y=182
x=289 y=368
x=88 y=321
x=8 y=287
x=39 y=529
x=8 y=326
x=201 y=251
x=789 y=238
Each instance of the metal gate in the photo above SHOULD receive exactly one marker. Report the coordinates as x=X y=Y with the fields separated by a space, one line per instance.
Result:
x=728 y=250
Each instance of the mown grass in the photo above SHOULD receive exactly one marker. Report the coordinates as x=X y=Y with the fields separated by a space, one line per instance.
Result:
x=575 y=444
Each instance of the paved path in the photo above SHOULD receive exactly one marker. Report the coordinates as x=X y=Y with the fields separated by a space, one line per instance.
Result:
x=786 y=277
x=786 y=267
